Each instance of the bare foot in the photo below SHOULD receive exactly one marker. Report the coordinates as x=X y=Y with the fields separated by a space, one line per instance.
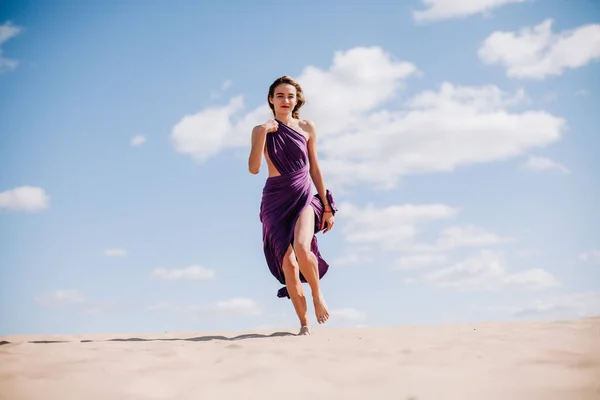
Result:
x=320 y=309
x=304 y=331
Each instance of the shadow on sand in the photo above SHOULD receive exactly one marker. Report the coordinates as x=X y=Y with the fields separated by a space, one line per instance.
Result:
x=192 y=339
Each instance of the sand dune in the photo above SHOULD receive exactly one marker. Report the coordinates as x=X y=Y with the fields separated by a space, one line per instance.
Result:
x=483 y=361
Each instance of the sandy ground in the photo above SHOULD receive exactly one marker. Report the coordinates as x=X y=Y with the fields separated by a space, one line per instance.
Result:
x=483 y=361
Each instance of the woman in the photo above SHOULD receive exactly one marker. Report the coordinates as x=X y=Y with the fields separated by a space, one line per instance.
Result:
x=290 y=214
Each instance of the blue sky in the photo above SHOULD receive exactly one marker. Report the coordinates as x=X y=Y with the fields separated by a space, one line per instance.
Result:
x=459 y=138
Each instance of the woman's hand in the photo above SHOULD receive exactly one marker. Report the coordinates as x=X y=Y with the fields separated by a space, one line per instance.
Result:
x=328 y=220
x=270 y=126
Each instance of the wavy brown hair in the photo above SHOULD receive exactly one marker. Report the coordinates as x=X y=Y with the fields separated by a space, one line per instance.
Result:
x=299 y=94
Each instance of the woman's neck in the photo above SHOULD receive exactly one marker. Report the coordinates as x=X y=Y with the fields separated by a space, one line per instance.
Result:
x=286 y=118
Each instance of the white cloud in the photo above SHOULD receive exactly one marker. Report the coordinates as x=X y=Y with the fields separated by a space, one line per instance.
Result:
x=367 y=75
x=239 y=306
x=467 y=236
x=536 y=163
x=536 y=52
x=115 y=252
x=592 y=256
x=419 y=261
x=359 y=80
x=388 y=227
x=366 y=139
x=531 y=279
x=447 y=9
x=137 y=140
x=204 y=134
x=397 y=227
x=7 y=64
x=486 y=271
x=212 y=130
x=62 y=297
x=584 y=304
x=7 y=31
x=441 y=131
x=193 y=272
x=348 y=314
x=24 y=198
x=354 y=256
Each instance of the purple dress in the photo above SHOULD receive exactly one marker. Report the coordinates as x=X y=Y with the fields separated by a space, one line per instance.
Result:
x=284 y=197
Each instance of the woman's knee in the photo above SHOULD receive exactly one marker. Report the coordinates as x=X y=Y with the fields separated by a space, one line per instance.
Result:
x=290 y=268
x=302 y=250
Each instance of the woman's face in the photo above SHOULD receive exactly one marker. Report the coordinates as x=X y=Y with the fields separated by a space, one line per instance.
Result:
x=284 y=98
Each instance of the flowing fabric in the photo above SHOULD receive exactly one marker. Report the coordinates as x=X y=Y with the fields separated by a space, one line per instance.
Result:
x=284 y=197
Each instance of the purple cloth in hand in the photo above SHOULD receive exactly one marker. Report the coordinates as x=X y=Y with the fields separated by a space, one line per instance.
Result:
x=284 y=197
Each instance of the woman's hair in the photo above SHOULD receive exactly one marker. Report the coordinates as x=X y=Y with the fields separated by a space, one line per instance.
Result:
x=299 y=94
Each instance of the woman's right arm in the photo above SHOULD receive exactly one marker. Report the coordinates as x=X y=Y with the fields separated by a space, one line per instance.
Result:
x=259 y=135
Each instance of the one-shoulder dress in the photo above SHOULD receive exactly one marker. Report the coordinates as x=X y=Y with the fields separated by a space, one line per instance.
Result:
x=284 y=197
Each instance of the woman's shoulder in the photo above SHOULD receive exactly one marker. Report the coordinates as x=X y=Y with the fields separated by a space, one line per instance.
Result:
x=306 y=125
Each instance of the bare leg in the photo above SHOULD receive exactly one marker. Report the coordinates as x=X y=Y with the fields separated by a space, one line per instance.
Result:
x=294 y=287
x=303 y=233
